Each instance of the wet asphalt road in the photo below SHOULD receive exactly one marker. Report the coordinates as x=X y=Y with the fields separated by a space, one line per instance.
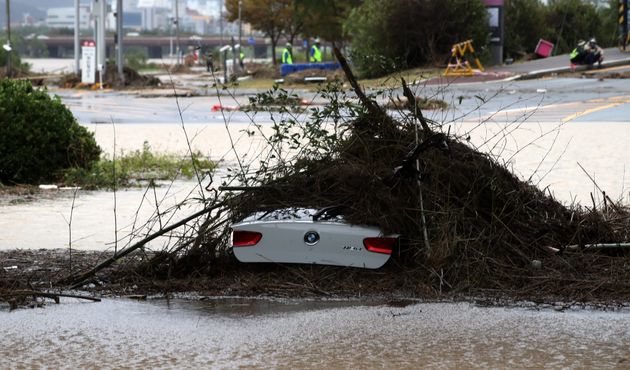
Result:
x=467 y=101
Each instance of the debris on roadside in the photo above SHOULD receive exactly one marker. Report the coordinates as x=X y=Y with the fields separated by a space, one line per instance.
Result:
x=421 y=103
x=467 y=224
x=132 y=79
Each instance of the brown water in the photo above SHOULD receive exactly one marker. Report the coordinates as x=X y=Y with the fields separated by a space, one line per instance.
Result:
x=230 y=333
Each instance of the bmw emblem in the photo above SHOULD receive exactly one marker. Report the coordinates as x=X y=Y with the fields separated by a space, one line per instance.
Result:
x=311 y=238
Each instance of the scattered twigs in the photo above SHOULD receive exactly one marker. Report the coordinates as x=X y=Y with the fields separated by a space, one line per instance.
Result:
x=597 y=246
x=412 y=105
x=244 y=188
x=14 y=297
x=75 y=281
x=374 y=110
x=612 y=203
x=74 y=197
x=198 y=177
x=115 y=188
x=54 y=296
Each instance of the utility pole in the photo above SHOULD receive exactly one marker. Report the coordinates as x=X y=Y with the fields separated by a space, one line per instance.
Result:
x=221 y=20
x=240 y=23
x=240 y=34
x=100 y=13
x=234 y=65
x=77 y=31
x=177 y=29
x=8 y=46
x=102 y=32
x=119 y=39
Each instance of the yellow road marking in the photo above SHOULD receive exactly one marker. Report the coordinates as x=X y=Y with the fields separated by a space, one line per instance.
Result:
x=612 y=101
x=588 y=111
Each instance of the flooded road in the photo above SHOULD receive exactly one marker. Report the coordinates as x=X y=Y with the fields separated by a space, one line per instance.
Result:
x=540 y=129
x=93 y=222
x=230 y=333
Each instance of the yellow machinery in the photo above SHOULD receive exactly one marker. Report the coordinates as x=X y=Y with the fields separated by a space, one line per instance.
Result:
x=462 y=57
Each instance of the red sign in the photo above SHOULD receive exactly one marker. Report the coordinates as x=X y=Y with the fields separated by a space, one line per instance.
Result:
x=88 y=43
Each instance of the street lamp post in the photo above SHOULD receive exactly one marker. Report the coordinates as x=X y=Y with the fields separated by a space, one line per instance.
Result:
x=119 y=39
x=7 y=47
x=240 y=23
x=240 y=32
x=221 y=21
x=77 y=66
x=177 y=29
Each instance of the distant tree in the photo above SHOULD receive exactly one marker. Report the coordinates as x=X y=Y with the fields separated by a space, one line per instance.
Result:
x=608 y=34
x=570 y=21
x=267 y=16
x=409 y=33
x=295 y=21
x=366 y=27
x=524 y=25
x=325 y=18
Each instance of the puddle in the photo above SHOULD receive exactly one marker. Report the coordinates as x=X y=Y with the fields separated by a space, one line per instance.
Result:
x=247 y=333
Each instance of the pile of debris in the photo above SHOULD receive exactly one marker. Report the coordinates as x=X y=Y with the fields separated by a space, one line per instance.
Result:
x=467 y=225
x=132 y=79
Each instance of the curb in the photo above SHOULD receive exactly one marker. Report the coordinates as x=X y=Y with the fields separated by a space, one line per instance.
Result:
x=544 y=72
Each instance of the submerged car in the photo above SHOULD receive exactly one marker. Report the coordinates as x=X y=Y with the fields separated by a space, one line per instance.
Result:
x=310 y=236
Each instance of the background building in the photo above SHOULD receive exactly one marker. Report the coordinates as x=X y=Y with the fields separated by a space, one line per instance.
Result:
x=64 y=17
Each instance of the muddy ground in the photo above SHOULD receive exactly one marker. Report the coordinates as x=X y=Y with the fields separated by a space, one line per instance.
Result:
x=43 y=269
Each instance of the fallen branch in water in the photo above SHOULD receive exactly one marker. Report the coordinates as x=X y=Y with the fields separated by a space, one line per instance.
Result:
x=12 y=296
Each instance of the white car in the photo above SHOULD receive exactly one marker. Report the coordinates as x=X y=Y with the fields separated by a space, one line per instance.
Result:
x=301 y=235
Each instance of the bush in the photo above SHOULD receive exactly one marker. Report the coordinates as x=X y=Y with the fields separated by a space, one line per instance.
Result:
x=39 y=137
x=139 y=165
x=136 y=58
x=410 y=33
x=609 y=31
x=571 y=21
x=524 y=26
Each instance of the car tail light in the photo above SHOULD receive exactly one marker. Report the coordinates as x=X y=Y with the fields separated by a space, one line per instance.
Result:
x=380 y=245
x=245 y=238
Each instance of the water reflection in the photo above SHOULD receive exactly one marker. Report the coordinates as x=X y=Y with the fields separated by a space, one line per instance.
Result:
x=302 y=334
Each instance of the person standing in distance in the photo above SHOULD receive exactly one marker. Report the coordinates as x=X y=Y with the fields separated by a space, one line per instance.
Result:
x=315 y=55
x=287 y=54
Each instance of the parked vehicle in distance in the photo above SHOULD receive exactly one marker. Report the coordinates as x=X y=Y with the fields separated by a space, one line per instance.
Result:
x=310 y=236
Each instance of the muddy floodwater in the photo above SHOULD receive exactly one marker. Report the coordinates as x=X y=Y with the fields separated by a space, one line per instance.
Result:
x=230 y=333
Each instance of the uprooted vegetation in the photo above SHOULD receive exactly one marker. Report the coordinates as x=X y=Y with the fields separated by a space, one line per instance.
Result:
x=129 y=169
x=467 y=225
x=132 y=79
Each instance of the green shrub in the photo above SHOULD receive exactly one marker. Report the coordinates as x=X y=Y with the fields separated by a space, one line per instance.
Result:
x=39 y=137
x=571 y=21
x=524 y=26
x=136 y=58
